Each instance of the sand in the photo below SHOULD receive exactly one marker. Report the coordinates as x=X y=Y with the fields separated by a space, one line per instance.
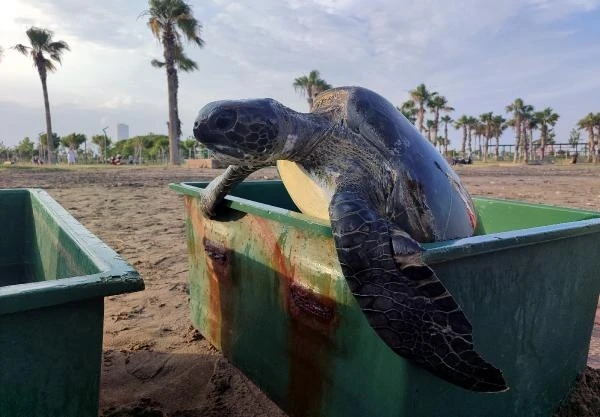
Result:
x=155 y=363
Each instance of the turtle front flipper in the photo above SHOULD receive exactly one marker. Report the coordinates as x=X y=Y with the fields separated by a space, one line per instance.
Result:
x=220 y=186
x=402 y=298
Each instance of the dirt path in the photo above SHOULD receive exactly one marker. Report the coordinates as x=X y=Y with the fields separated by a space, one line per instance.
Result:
x=155 y=363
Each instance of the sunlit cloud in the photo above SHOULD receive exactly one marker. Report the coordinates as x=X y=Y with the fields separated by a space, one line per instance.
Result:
x=480 y=54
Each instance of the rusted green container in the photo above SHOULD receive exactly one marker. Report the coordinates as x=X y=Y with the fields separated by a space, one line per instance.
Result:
x=53 y=277
x=266 y=288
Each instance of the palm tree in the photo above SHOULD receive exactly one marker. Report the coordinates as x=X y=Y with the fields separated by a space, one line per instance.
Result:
x=596 y=120
x=516 y=108
x=311 y=85
x=429 y=127
x=436 y=104
x=169 y=21
x=527 y=122
x=574 y=137
x=532 y=123
x=421 y=96
x=487 y=120
x=439 y=142
x=498 y=126
x=445 y=120
x=589 y=123
x=409 y=110
x=472 y=123
x=463 y=123
x=41 y=42
x=546 y=118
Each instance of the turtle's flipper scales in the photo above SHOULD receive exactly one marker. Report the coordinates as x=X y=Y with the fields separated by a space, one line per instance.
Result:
x=402 y=298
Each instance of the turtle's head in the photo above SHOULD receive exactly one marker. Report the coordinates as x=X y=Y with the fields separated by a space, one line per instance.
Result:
x=243 y=131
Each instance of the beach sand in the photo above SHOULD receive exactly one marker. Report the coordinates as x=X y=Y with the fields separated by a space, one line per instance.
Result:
x=155 y=363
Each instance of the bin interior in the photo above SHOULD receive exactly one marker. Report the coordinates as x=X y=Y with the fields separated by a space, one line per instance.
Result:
x=494 y=215
x=33 y=246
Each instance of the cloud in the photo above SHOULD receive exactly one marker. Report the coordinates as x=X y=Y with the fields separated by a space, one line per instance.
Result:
x=479 y=54
x=108 y=22
x=550 y=10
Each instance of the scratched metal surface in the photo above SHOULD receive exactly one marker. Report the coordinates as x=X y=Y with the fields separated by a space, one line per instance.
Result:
x=270 y=295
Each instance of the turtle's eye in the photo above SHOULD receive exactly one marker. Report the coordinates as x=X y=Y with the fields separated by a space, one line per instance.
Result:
x=224 y=119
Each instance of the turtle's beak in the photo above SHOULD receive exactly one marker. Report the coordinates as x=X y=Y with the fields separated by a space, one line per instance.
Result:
x=213 y=123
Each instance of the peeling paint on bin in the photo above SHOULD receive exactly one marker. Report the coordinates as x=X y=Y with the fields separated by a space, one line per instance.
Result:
x=529 y=286
x=53 y=276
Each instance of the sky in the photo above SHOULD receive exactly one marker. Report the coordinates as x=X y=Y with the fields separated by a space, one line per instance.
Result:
x=479 y=54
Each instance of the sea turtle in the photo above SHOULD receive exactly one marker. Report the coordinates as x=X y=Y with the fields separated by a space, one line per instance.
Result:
x=387 y=189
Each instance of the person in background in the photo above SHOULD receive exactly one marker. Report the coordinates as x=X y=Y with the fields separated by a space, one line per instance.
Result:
x=71 y=155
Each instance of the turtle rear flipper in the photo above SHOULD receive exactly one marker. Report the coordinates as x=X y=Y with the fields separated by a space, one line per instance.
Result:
x=402 y=298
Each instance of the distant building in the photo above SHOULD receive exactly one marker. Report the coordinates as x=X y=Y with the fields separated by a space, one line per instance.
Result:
x=122 y=131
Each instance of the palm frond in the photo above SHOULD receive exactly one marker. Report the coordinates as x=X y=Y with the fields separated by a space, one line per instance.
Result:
x=157 y=64
x=56 y=57
x=183 y=62
x=39 y=37
x=313 y=76
x=22 y=49
x=156 y=27
x=186 y=64
x=58 y=47
x=49 y=65
x=191 y=29
x=300 y=84
x=143 y=14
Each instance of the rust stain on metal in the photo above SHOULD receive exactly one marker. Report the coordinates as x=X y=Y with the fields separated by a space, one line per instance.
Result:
x=316 y=307
x=218 y=254
x=218 y=261
x=216 y=258
x=312 y=324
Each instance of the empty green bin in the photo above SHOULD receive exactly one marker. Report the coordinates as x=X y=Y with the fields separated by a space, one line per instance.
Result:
x=267 y=289
x=53 y=276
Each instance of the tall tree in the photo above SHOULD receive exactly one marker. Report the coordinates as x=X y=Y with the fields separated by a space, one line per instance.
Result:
x=498 y=127
x=44 y=146
x=436 y=104
x=463 y=123
x=589 y=123
x=479 y=131
x=445 y=120
x=531 y=123
x=73 y=139
x=170 y=21
x=41 y=42
x=103 y=143
x=527 y=119
x=409 y=110
x=421 y=96
x=596 y=120
x=429 y=129
x=472 y=125
x=516 y=108
x=546 y=119
x=310 y=85
x=487 y=120
x=574 y=138
x=25 y=148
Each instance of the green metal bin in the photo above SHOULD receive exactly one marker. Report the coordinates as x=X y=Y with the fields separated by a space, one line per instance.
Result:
x=53 y=277
x=266 y=288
